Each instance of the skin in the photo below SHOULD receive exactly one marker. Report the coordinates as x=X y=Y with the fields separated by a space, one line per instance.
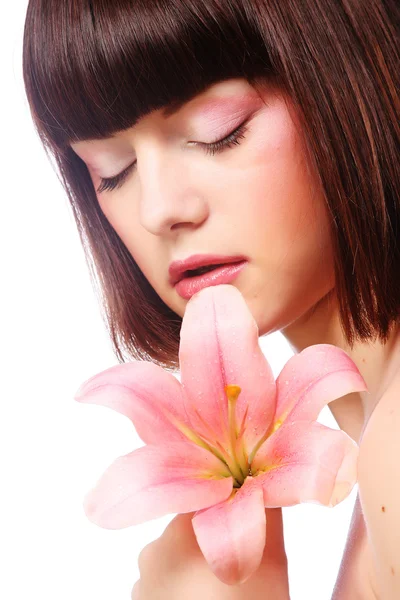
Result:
x=260 y=199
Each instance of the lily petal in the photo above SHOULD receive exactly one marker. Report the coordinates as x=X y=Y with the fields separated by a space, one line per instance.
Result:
x=219 y=346
x=312 y=378
x=306 y=462
x=145 y=393
x=231 y=535
x=153 y=481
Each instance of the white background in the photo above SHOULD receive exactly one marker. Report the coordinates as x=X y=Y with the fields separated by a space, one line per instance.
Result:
x=54 y=449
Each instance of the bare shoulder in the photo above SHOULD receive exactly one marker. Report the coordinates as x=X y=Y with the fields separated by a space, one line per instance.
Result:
x=356 y=577
x=379 y=491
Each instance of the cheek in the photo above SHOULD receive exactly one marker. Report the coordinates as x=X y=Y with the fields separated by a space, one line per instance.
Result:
x=284 y=203
x=119 y=210
x=271 y=176
x=284 y=220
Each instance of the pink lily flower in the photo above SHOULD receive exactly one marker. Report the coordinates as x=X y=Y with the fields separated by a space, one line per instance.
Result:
x=228 y=440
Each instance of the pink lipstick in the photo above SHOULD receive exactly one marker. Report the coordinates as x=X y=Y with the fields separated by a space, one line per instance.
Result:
x=188 y=285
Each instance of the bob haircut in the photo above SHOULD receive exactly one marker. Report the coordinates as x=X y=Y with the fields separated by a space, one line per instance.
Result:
x=94 y=67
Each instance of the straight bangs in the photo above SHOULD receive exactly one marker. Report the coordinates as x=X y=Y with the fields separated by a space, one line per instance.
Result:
x=107 y=64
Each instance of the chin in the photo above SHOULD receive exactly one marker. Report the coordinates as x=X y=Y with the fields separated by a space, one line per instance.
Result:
x=272 y=316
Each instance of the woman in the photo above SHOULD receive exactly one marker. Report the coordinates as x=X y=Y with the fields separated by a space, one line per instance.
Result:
x=265 y=131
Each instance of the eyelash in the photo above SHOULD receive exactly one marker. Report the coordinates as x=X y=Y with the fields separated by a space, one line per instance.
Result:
x=229 y=141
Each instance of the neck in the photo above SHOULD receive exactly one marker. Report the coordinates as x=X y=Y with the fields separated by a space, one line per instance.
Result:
x=378 y=363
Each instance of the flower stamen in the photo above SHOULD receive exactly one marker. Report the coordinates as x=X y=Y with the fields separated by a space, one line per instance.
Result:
x=238 y=466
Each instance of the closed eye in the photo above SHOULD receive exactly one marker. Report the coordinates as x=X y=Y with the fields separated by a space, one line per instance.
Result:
x=112 y=183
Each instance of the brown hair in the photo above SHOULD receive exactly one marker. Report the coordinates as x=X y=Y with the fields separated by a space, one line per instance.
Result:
x=94 y=67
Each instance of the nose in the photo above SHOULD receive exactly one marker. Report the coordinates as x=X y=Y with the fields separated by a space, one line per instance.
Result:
x=171 y=195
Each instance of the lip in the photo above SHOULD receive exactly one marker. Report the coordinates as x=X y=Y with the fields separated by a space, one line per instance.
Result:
x=178 y=268
x=188 y=286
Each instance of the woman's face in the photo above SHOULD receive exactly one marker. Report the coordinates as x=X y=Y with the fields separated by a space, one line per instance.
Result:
x=258 y=198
